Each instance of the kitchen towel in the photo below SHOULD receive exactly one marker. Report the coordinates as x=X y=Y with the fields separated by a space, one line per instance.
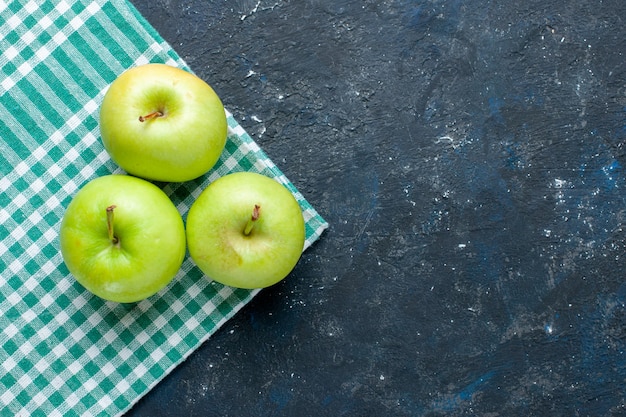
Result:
x=63 y=351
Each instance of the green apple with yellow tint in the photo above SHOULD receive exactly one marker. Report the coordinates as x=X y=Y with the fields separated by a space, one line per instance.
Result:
x=246 y=230
x=162 y=123
x=122 y=238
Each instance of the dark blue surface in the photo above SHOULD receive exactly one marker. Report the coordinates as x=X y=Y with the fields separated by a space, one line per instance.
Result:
x=469 y=156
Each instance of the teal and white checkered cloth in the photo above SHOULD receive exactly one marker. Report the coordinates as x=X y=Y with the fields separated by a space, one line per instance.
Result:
x=63 y=351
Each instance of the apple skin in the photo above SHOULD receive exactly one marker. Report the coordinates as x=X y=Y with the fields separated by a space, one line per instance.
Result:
x=215 y=231
x=151 y=234
x=183 y=143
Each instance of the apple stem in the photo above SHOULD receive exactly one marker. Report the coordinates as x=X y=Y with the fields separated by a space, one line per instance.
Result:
x=112 y=236
x=256 y=212
x=152 y=115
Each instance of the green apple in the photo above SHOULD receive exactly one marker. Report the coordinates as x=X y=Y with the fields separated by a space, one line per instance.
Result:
x=122 y=238
x=245 y=230
x=162 y=123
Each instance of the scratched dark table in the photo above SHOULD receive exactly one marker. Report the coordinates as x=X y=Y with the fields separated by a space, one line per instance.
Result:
x=469 y=157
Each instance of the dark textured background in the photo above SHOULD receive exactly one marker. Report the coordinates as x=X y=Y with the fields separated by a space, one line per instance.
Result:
x=469 y=157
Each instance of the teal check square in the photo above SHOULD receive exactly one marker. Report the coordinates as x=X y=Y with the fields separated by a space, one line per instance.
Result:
x=63 y=351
